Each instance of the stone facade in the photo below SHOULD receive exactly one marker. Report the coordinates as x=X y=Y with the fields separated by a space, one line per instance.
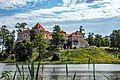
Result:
x=77 y=40
x=24 y=35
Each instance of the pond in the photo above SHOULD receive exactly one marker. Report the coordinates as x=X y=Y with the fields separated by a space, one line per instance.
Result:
x=83 y=71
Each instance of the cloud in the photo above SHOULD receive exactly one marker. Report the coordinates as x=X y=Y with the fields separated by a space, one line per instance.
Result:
x=11 y=4
x=76 y=11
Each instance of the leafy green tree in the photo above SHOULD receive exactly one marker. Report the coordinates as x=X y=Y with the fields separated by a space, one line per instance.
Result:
x=105 y=41
x=20 y=26
x=9 y=44
x=23 y=50
x=81 y=29
x=90 y=39
x=115 y=39
x=40 y=44
x=97 y=40
x=4 y=34
x=57 y=38
x=32 y=35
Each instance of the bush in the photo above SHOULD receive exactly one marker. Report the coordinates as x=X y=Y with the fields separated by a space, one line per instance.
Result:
x=23 y=50
x=55 y=57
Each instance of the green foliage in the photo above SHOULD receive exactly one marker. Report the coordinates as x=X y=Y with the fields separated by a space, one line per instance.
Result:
x=20 y=26
x=97 y=40
x=81 y=29
x=105 y=41
x=9 y=44
x=23 y=50
x=4 y=34
x=32 y=35
x=55 y=57
x=90 y=39
x=57 y=39
x=40 y=44
x=115 y=39
x=83 y=55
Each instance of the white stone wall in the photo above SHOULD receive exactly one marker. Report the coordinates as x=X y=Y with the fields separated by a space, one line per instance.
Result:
x=25 y=36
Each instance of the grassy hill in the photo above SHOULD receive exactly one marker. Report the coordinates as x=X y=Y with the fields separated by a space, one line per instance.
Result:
x=89 y=55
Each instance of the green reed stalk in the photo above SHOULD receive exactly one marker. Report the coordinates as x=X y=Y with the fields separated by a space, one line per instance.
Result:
x=94 y=71
x=23 y=76
x=104 y=75
x=42 y=68
x=74 y=76
x=18 y=69
x=66 y=70
x=37 y=72
x=14 y=75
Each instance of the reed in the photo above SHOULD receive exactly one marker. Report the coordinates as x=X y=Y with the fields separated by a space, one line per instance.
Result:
x=66 y=70
x=74 y=76
x=6 y=75
x=37 y=72
x=94 y=71
x=35 y=76
x=14 y=75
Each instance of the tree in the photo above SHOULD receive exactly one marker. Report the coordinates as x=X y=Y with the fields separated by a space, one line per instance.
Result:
x=23 y=50
x=40 y=44
x=90 y=39
x=4 y=34
x=81 y=29
x=20 y=26
x=97 y=40
x=115 y=39
x=105 y=41
x=57 y=38
x=9 y=44
x=32 y=35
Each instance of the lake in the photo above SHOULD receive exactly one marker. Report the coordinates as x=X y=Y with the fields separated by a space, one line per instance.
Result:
x=83 y=71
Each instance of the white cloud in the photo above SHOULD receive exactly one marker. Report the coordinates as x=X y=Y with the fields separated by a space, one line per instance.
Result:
x=75 y=12
x=11 y=4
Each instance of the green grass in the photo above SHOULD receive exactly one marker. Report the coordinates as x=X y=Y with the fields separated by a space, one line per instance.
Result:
x=83 y=55
x=80 y=55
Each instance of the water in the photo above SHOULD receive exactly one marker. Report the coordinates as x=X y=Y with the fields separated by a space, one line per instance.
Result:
x=83 y=71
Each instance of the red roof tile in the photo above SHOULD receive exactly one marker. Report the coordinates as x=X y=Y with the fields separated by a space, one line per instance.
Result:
x=39 y=27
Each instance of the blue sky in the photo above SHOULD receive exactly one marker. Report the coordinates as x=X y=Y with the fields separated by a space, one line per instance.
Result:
x=98 y=16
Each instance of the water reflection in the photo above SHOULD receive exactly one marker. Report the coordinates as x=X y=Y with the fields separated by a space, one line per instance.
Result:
x=83 y=71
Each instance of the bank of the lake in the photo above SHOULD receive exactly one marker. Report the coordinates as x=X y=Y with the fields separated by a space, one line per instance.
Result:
x=90 y=55
x=82 y=56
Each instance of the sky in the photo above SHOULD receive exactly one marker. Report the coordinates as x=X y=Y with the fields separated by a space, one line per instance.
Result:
x=97 y=16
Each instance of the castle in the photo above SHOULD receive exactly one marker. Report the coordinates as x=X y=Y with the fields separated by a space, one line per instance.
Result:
x=74 y=40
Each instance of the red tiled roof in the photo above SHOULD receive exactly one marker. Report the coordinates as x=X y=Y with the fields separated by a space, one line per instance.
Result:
x=39 y=27
x=75 y=34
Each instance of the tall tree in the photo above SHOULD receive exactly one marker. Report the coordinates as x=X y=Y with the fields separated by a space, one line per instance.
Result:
x=115 y=39
x=5 y=34
x=32 y=35
x=97 y=40
x=40 y=44
x=81 y=29
x=9 y=44
x=57 y=38
x=105 y=41
x=90 y=39
x=20 y=26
